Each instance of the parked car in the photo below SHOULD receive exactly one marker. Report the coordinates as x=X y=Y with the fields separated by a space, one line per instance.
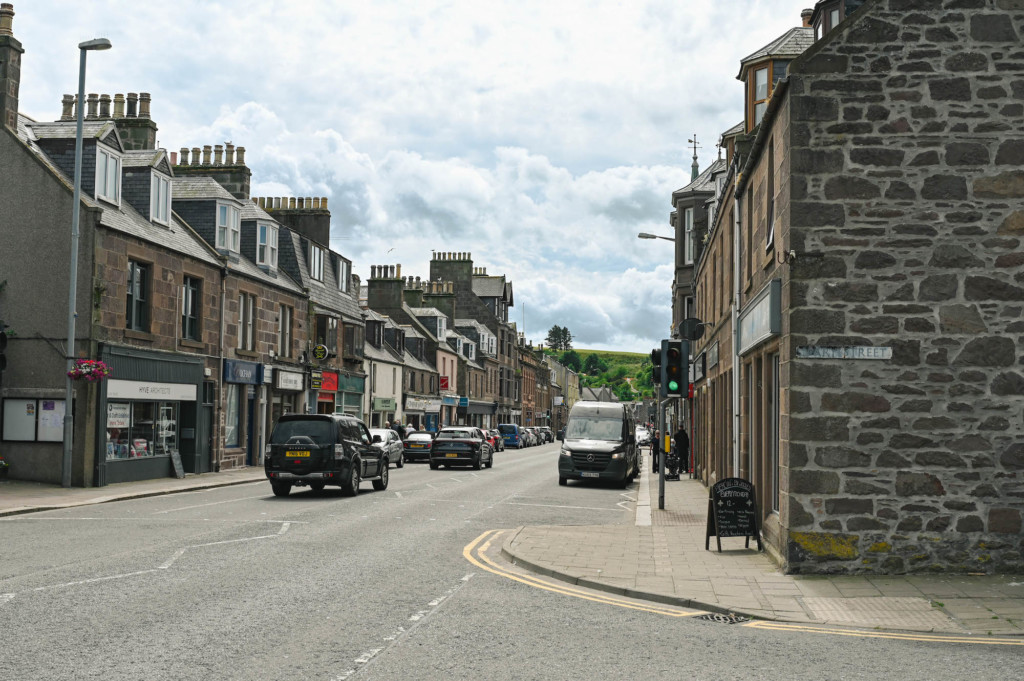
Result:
x=529 y=439
x=494 y=439
x=643 y=436
x=600 y=443
x=461 y=446
x=546 y=432
x=417 y=445
x=513 y=435
x=390 y=443
x=323 y=449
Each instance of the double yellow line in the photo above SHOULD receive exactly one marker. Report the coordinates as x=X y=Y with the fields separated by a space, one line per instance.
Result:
x=476 y=553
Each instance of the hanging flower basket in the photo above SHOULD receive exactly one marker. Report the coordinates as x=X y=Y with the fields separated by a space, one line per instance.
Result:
x=89 y=370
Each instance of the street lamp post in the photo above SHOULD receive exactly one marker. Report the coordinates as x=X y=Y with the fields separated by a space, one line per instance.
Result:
x=95 y=44
x=645 y=235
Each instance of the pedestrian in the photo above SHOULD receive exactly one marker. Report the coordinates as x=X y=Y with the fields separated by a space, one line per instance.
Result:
x=682 y=448
x=655 y=448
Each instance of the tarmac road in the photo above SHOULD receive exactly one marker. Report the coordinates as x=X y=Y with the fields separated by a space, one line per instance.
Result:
x=234 y=583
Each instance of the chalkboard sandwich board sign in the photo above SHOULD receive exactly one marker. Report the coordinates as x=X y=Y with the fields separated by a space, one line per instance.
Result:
x=179 y=470
x=732 y=512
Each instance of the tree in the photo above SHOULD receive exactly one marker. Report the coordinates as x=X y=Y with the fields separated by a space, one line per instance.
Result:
x=559 y=338
x=571 y=359
x=594 y=364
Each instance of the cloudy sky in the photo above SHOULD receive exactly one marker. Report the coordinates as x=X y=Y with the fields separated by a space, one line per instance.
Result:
x=539 y=136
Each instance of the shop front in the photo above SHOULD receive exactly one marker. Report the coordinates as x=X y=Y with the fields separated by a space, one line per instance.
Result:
x=475 y=413
x=423 y=412
x=286 y=388
x=241 y=382
x=149 y=415
x=383 y=411
x=449 y=405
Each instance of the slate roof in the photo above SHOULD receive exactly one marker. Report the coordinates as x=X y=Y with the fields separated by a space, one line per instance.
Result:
x=705 y=182
x=426 y=312
x=66 y=129
x=197 y=187
x=489 y=286
x=178 y=236
x=789 y=45
x=328 y=298
x=734 y=130
x=251 y=211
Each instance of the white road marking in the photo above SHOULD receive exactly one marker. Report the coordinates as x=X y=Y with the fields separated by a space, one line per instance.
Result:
x=212 y=503
x=398 y=494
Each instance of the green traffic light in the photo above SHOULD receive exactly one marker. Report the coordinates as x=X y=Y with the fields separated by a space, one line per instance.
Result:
x=673 y=386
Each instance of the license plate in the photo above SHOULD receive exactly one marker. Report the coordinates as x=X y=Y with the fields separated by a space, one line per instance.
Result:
x=452 y=455
x=591 y=475
x=415 y=446
x=297 y=453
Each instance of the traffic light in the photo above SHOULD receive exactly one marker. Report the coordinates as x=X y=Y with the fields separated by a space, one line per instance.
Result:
x=675 y=367
x=656 y=366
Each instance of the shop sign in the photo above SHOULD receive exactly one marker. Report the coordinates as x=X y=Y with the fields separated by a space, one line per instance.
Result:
x=697 y=367
x=843 y=352
x=268 y=373
x=449 y=400
x=330 y=381
x=385 y=404
x=419 y=404
x=236 y=371
x=316 y=378
x=762 y=317
x=558 y=400
x=444 y=382
x=712 y=358
x=118 y=415
x=287 y=380
x=463 y=402
x=351 y=384
x=320 y=352
x=146 y=390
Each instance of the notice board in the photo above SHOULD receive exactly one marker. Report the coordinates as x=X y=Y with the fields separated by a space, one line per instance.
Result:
x=732 y=512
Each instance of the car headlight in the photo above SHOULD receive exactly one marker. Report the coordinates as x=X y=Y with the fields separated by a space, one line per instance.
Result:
x=619 y=453
x=565 y=452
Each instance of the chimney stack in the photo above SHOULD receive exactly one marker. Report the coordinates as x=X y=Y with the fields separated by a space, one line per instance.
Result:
x=6 y=19
x=805 y=17
x=10 y=68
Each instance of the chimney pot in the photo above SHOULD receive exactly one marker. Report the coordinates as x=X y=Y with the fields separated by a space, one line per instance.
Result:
x=6 y=19
x=174 y=158
x=309 y=202
x=805 y=16
x=143 y=105
x=92 y=100
x=207 y=153
x=184 y=156
x=323 y=203
x=291 y=202
x=133 y=104
x=104 y=106
x=398 y=270
x=240 y=156
x=195 y=156
x=229 y=154
x=277 y=203
x=218 y=155
x=119 y=106
x=66 y=104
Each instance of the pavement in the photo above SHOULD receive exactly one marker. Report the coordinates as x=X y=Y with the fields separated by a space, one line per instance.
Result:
x=660 y=557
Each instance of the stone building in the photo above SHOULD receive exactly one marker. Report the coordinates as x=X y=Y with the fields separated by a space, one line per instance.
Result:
x=877 y=289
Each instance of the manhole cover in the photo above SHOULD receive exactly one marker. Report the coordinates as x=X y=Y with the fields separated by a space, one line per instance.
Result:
x=722 y=619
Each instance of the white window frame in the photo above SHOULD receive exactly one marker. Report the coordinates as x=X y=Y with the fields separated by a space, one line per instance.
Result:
x=344 y=274
x=266 y=244
x=229 y=227
x=246 y=321
x=284 y=331
x=107 y=175
x=160 y=198
x=688 y=235
x=316 y=262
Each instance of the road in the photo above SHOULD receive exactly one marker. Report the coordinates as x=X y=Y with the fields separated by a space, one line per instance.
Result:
x=234 y=583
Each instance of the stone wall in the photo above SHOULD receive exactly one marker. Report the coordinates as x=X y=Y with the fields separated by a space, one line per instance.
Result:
x=907 y=153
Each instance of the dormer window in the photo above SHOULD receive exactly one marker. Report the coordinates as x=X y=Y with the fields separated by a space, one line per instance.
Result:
x=316 y=262
x=344 y=274
x=229 y=227
x=441 y=332
x=160 y=199
x=688 y=245
x=108 y=175
x=266 y=248
x=759 y=93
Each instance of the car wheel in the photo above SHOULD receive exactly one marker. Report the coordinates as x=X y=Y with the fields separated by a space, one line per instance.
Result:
x=401 y=460
x=382 y=484
x=562 y=481
x=433 y=466
x=350 y=487
x=316 y=486
x=281 y=489
x=477 y=462
x=490 y=460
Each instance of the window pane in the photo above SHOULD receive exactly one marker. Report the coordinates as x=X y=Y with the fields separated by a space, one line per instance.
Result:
x=101 y=173
x=112 y=177
x=232 y=416
x=760 y=84
x=759 y=112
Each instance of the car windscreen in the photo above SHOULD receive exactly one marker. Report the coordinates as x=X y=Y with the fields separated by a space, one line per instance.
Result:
x=507 y=429
x=454 y=434
x=319 y=430
x=592 y=428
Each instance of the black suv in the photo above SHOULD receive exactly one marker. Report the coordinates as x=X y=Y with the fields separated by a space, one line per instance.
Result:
x=323 y=449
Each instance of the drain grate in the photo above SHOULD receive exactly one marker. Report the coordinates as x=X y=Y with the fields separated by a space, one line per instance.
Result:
x=722 y=619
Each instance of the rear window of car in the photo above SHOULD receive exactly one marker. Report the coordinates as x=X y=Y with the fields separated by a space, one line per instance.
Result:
x=319 y=430
x=454 y=434
x=507 y=429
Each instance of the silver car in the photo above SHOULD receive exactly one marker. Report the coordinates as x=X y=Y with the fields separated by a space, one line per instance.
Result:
x=390 y=443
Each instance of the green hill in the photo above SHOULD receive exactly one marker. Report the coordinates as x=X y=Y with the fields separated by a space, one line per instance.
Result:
x=628 y=374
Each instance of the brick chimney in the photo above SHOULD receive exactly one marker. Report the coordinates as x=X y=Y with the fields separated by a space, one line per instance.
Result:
x=211 y=161
x=10 y=68
x=137 y=129
x=308 y=216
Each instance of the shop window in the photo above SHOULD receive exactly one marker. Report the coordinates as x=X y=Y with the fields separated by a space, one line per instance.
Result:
x=141 y=429
x=232 y=415
x=137 y=307
x=191 y=305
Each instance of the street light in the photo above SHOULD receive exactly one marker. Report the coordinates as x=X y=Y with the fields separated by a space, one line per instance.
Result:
x=94 y=44
x=645 y=235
